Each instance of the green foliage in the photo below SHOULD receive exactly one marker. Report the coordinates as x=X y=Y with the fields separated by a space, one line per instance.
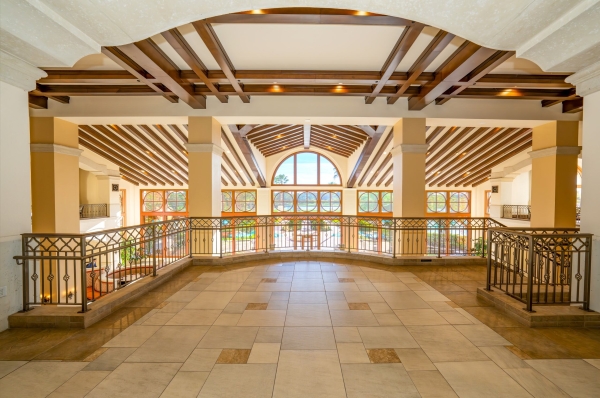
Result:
x=479 y=246
x=281 y=179
x=129 y=253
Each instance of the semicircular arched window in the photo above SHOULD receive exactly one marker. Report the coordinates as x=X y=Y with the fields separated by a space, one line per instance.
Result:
x=306 y=168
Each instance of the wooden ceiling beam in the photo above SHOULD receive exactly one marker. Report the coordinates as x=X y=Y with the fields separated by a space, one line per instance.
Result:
x=87 y=90
x=502 y=80
x=573 y=106
x=128 y=178
x=514 y=93
x=231 y=179
x=440 y=141
x=470 y=79
x=435 y=47
x=180 y=134
x=262 y=131
x=280 y=142
x=464 y=60
x=404 y=43
x=306 y=89
x=481 y=181
x=212 y=42
x=189 y=56
x=229 y=163
x=38 y=102
x=133 y=130
x=329 y=148
x=389 y=181
x=451 y=153
x=150 y=57
x=449 y=146
x=335 y=142
x=385 y=175
x=291 y=145
x=383 y=164
x=266 y=138
x=138 y=72
x=177 y=155
x=231 y=148
x=169 y=138
x=246 y=150
x=434 y=134
x=365 y=155
x=346 y=135
x=383 y=148
x=224 y=182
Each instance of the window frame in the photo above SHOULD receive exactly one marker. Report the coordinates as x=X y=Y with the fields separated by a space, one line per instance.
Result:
x=379 y=212
x=296 y=192
x=163 y=212
x=295 y=177
x=448 y=213
x=233 y=212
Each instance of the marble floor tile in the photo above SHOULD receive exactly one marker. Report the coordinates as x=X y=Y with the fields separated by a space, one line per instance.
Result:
x=404 y=300
x=278 y=305
x=308 y=298
x=481 y=378
x=353 y=318
x=256 y=306
x=133 y=336
x=269 y=334
x=233 y=356
x=347 y=334
x=251 y=297
x=388 y=320
x=79 y=385
x=173 y=307
x=444 y=344
x=274 y=287
x=235 y=308
x=169 y=344
x=223 y=286
x=308 y=315
x=379 y=380
x=307 y=268
x=194 y=318
x=201 y=360
x=136 y=380
x=309 y=373
x=387 y=337
x=264 y=353
x=574 y=376
x=308 y=275
x=227 y=319
x=504 y=358
x=185 y=385
x=280 y=296
x=420 y=317
x=363 y=297
x=184 y=296
x=37 y=379
x=341 y=287
x=455 y=318
x=254 y=380
x=262 y=318
x=481 y=335
x=352 y=353
x=536 y=384
x=210 y=301
x=158 y=319
x=380 y=308
x=7 y=367
x=414 y=359
x=110 y=359
x=390 y=286
x=308 y=338
x=338 y=305
x=229 y=337
x=594 y=362
x=307 y=285
x=431 y=384
x=383 y=355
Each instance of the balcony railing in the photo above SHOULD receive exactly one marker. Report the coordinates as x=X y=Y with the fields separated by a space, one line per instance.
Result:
x=78 y=269
x=540 y=266
x=93 y=211
x=523 y=212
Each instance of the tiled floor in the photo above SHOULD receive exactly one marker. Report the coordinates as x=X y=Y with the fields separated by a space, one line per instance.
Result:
x=305 y=329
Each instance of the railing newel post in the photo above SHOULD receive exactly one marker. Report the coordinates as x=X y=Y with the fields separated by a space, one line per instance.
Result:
x=154 y=240
x=588 y=275
x=220 y=234
x=82 y=263
x=530 y=275
x=439 y=238
x=488 y=282
x=394 y=238
x=190 y=236
x=25 y=265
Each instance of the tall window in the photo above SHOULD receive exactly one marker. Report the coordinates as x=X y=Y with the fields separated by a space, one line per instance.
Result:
x=375 y=202
x=307 y=202
x=306 y=168
x=238 y=202
x=448 y=203
x=162 y=205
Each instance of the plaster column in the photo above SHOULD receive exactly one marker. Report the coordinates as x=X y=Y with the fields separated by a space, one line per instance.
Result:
x=263 y=201
x=408 y=157
x=554 y=175
x=54 y=175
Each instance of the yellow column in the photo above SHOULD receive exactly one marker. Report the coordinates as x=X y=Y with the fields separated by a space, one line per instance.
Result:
x=54 y=175
x=554 y=175
x=408 y=155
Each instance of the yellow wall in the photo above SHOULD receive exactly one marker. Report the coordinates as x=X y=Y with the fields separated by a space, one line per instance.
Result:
x=89 y=188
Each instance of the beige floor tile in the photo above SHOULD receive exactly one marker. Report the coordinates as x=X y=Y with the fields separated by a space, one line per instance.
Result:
x=481 y=378
x=210 y=301
x=235 y=308
x=422 y=316
x=378 y=380
x=388 y=320
x=335 y=296
x=308 y=275
x=269 y=334
x=380 y=308
x=431 y=384
x=363 y=297
x=173 y=307
x=432 y=295
x=347 y=334
x=455 y=318
x=38 y=379
x=229 y=337
x=251 y=297
x=227 y=319
x=183 y=296
x=194 y=318
x=274 y=287
x=341 y=287
x=352 y=353
x=308 y=338
x=262 y=318
x=574 y=376
x=110 y=359
x=278 y=305
x=404 y=300
x=7 y=367
x=594 y=362
x=481 y=335
x=185 y=385
x=223 y=286
x=158 y=319
x=387 y=337
x=536 y=384
x=390 y=286
x=201 y=360
x=264 y=353
x=306 y=373
x=441 y=306
x=308 y=315
x=308 y=298
x=359 y=306
x=307 y=268
x=445 y=344
x=280 y=296
x=169 y=344
x=256 y=306
x=467 y=315
x=234 y=381
x=133 y=336
x=338 y=305
x=196 y=286
x=366 y=287
x=136 y=380
x=414 y=359
x=353 y=318
x=80 y=384
x=504 y=358
x=307 y=285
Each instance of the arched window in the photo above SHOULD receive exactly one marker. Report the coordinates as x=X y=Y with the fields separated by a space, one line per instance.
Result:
x=306 y=168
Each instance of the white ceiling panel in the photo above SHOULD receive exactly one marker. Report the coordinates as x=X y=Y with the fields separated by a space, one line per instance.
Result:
x=194 y=40
x=426 y=36
x=316 y=47
x=94 y=62
x=518 y=66
x=170 y=52
x=447 y=52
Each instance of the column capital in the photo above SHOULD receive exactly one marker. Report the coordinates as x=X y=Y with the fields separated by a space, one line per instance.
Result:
x=55 y=148
x=555 y=150
x=204 y=148
x=19 y=73
x=409 y=148
x=587 y=80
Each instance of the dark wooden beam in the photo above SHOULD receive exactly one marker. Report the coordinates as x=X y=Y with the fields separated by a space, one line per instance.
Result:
x=453 y=152
x=377 y=172
x=185 y=51
x=374 y=160
x=169 y=137
x=385 y=175
x=440 y=141
x=231 y=179
x=329 y=148
x=279 y=142
x=573 y=105
x=404 y=43
x=150 y=57
x=449 y=146
x=246 y=150
x=231 y=148
x=177 y=155
x=365 y=155
x=229 y=163
x=128 y=178
x=38 y=102
x=180 y=134
x=291 y=145
x=224 y=182
x=181 y=166
x=464 y=60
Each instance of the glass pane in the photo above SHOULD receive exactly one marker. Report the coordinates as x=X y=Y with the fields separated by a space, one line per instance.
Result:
x=436 y=202
x=176 y=201
x=307 y=168
x=331 y=201
x=153 y=201
x=226 y=201
x=459 y=202
x=367 y=202
x=283 y=201
x=307 y=201
x=329 y=173
x=284 y=175
x=245 y=202
x=387 y=202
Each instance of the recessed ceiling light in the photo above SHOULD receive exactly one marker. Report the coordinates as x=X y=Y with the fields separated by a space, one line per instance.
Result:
x=274 y=82
x=307 y=121
x=340 y=83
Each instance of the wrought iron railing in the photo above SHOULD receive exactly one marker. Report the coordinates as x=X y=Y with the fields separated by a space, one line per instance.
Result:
x=78 y=269
x=93 y=211
x=540 y=266
x=519 y=212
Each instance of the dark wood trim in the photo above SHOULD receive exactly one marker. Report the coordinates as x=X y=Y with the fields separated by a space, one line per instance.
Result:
x=181 y=166
x=573 y=106
x=234 y=169
x=177 y=155
x=383 y=164
x=183 y=137
x=231 y=179
x=246 y=150
x=385 y=175
x=386 y=142
x=365 y=155
x=37 y=102
x=231 y=148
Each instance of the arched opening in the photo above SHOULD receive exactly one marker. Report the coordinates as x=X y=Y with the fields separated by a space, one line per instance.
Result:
x=306 y=168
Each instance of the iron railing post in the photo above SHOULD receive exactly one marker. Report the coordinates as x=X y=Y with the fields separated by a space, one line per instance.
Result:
x=394 y=238
x=153 y=237
x=84 y=275
x=439 y=238
x=530 y=275
x=588 y=274
x=25 y=265
x=488 y=282
x=348 y=230
x=220 y=235
x=189 y=220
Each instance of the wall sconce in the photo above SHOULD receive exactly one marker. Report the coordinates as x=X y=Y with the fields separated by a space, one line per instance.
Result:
x=70 y=296
x=46 y=299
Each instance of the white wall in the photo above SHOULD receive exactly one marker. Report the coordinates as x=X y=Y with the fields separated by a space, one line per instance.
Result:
x=521 y=189
x=15 y=194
